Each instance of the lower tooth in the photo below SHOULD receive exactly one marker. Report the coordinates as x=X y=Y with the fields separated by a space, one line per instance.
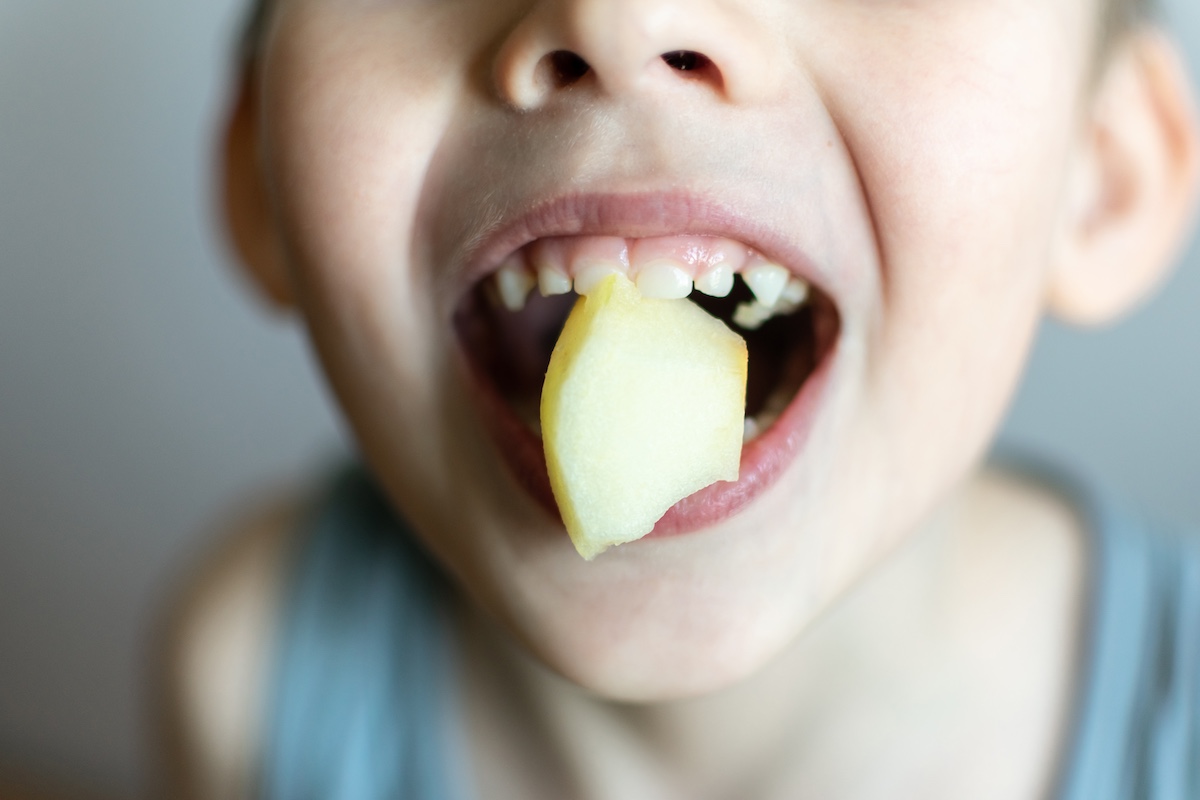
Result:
x=751 y=315
x=749 y=430
x=776 y=402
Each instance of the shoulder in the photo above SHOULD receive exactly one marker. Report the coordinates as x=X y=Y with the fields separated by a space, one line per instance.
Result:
x=1137 y=680
x=1027 y=525
x=216 y=646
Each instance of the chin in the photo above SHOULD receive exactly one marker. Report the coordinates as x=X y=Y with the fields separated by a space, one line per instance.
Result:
x=665 y=671
x=676 y=642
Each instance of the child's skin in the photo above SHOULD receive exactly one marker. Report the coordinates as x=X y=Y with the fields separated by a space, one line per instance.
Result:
x=953 y=170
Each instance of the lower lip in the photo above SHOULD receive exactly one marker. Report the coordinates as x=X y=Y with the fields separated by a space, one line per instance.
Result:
x=764 y=459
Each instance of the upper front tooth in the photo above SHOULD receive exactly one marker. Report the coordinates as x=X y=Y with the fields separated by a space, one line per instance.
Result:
x=767 y=282
x=664 y=281
x=513 y=282
x=716 y=282
x=552 y=282
x=590 y=275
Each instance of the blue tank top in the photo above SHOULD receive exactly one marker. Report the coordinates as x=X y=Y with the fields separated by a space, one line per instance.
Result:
x=362 y=701
x=360 y=707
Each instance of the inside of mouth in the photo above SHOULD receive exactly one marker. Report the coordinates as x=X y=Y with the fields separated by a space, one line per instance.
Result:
x=510 y=351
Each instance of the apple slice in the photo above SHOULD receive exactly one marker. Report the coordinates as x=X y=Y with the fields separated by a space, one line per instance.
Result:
x=643 y=405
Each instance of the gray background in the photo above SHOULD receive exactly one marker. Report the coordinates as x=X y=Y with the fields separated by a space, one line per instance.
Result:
x=143 y=395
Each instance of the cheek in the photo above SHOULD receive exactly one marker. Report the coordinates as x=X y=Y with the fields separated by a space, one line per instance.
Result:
x=357 y=100
x=353 y=110
x=959 y=131
x=958 y=116
x=961 y=147
x=964 y=249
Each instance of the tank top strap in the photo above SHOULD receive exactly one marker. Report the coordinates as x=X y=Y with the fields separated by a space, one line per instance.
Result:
x=1136 y=732
x=359 y=707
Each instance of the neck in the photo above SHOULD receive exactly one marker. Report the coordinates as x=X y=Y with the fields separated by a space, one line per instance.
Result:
x=867 y=683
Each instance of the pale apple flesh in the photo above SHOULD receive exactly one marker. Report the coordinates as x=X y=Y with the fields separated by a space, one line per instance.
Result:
x=643 y=405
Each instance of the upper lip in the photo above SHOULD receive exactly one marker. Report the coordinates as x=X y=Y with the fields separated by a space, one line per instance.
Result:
x=635 y=215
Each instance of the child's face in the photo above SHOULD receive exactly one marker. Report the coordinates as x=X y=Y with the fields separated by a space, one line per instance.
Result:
x=910 y=157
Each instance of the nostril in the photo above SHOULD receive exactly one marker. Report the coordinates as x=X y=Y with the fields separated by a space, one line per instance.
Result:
x=686 y=60
x=568 y=67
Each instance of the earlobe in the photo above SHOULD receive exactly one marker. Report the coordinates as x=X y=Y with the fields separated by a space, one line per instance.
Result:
x=249 y=221
x=1133 y=186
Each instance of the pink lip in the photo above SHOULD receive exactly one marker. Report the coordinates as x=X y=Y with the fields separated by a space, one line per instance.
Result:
x=637 y=216
x=765 y=458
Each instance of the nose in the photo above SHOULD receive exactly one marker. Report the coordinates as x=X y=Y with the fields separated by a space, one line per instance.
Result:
x=629 y=46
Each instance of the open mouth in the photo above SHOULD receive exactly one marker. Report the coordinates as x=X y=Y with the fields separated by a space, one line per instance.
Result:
x=510 y=321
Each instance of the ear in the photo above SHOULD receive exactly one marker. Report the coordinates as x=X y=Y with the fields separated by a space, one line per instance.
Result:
x=1133 y=185
x=249 y=219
